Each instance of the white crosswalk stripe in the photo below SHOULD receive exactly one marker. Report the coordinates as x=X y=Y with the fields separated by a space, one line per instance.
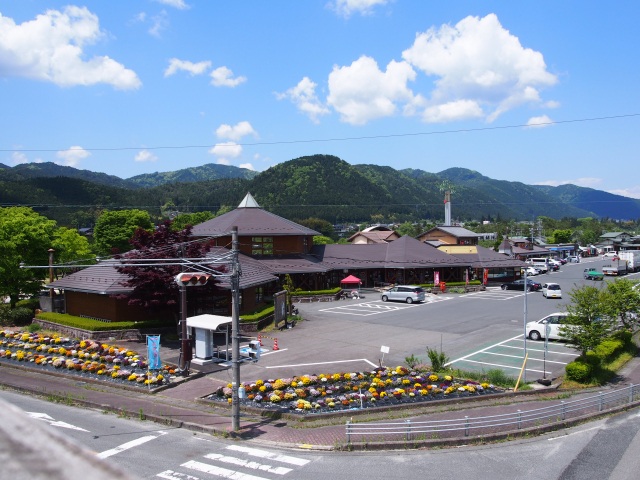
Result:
x=213 y=468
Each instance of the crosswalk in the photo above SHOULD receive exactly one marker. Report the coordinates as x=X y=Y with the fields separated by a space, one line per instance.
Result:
x=238 y=462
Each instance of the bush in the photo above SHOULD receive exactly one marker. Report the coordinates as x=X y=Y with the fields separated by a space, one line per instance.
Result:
x=18 y=316
x=608 y=349
x=30 y=303
x=437 y=359
x=578 y=371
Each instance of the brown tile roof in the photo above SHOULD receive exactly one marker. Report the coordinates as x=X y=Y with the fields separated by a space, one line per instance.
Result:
x=406 y=252
x=251 y=221
x=104 y=279
x=297 y=264
x=481 y=257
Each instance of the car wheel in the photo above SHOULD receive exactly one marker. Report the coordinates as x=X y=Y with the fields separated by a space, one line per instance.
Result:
x=504 y=287
x=534 y=335
x=409 y=300
x=384 y=298
x=529 y=288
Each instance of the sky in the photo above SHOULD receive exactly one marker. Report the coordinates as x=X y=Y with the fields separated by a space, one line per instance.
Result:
x=542 y=92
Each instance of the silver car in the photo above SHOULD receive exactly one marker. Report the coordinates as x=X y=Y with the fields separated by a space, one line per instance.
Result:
x=404 y=293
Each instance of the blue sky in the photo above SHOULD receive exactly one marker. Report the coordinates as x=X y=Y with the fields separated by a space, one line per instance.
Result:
x=538 y=92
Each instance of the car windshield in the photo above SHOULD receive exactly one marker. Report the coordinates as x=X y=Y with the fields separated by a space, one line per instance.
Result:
x=553 y=287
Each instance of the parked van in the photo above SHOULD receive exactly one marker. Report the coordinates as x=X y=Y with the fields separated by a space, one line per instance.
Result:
x=551 y=290
x=404 y=293
x=539 y=263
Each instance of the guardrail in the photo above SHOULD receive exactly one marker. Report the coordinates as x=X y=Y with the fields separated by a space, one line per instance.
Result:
x=565 y=410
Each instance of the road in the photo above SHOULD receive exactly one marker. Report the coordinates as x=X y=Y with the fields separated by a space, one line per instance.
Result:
x=606 y=448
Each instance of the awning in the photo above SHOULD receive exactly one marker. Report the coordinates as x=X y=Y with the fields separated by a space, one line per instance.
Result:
x=351 y=279
x=209 y=322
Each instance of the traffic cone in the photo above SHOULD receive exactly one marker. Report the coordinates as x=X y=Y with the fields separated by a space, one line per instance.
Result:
x=275 y=344
x=260 y=340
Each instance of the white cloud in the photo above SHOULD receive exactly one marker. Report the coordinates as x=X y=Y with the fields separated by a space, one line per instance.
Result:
x=179 y=4
x=226 y=150
x=248 y=166
x=589 y=182
x=479 y=61
x=192 y=68
x=303 y=96
x=72 y=156
x=451 y=111
x=223 y=77
x=19 y=157
x=236 y=132
x=346 y=8
x=362 y=92
x=159 y=23
x=539 y=122
x=145 y=156
x=50 y=48
x=223 y=161
x=631 y=192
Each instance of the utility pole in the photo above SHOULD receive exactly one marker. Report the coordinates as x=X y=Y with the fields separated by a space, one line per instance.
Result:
x=51 y=292
x=235 y=332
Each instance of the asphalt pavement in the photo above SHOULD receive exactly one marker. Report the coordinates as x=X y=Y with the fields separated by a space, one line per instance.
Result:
x=183 y=405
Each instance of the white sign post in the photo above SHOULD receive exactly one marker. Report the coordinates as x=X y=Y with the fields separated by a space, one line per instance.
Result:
x=384 y=350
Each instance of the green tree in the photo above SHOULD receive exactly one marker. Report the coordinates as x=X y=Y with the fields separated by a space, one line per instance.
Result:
x=319 y=225
x=114 y=229
x=25 y=237
x=322 y=240
x=562 y=236
x=622 y=303
x=185 y=219
x=587 y=323
x=69 y=245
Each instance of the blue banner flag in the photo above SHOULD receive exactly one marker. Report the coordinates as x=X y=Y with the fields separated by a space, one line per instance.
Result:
x=153 y=352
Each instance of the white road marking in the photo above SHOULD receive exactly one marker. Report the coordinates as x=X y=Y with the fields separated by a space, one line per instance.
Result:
x=481 y=351
x=554 y=352
x=128 y=445
x=171 y=475
x=522 y=358
x=51 y=421
x=503 y=366
x=256 y=452
x=248 y=464
x=218 y=471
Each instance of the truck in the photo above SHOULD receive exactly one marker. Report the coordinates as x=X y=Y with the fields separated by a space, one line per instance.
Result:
x=632 y=257
x=593 y=274
x=618 y=268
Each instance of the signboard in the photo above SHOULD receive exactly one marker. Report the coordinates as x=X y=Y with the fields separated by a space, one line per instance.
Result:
x=485 y=276
x=436 y=278
x=280 y=303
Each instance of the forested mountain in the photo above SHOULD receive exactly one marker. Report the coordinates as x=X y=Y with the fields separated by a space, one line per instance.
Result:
x=211 y=171
x=321 y=186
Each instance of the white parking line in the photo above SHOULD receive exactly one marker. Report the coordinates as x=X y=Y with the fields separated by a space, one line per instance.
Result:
x=503 y=366
x=325 y=363
x=481 y=351
x=521 y=358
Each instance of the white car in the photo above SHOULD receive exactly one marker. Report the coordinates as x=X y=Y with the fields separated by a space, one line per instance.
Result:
x=551 y=290
x=609 y=255
x=530 y=271
x=550 y=324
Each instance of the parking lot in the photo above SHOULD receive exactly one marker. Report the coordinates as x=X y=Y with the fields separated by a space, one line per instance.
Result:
x=477 y=331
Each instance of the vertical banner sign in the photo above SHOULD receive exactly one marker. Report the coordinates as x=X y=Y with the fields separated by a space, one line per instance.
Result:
x=436 y=278
x=153 y=352
x=466 y=276
x=485 y=276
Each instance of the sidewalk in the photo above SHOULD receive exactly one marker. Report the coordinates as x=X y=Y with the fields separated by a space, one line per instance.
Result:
x=181 y=406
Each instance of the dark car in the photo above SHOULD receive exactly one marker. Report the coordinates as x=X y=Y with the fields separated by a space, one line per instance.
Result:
x=519 y=285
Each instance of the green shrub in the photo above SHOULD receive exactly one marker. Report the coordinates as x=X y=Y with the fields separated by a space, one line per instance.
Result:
x=95 y=325
x=30 y=303
x=609 y=349
x=17 y=317
x=437 y=359
x=257 y=316
x=580 y=372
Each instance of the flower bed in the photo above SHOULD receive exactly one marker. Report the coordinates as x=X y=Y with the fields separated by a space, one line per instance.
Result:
x=86 y=358
x=345 y=391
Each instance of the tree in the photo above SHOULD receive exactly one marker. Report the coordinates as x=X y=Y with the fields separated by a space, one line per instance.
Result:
x=622 y=303
x=114 y=229
x=322 y=240
x=154 y=286
x=69 y=245
x=319 y=225
x=562 y=236
x=587 y=323
x=190 y=219
x=25 y=237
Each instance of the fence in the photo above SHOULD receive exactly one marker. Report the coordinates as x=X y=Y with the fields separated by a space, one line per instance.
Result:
x=565 y=410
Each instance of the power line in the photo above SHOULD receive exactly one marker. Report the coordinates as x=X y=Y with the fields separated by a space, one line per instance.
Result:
x=335 y=139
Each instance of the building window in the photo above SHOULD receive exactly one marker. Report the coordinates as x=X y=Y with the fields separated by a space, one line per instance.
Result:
x=259 y=295
x=262 y=246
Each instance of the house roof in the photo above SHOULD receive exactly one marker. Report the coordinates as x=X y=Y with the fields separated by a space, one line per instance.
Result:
x=406 y=252
x=457 y=232
x=104 y=278
x=377 y=236
x=251 y=220
x=613 y=234
x=481 y=257
x=293 y=264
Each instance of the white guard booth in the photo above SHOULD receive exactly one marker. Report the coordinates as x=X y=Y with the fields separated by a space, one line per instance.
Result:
x=203 y=328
